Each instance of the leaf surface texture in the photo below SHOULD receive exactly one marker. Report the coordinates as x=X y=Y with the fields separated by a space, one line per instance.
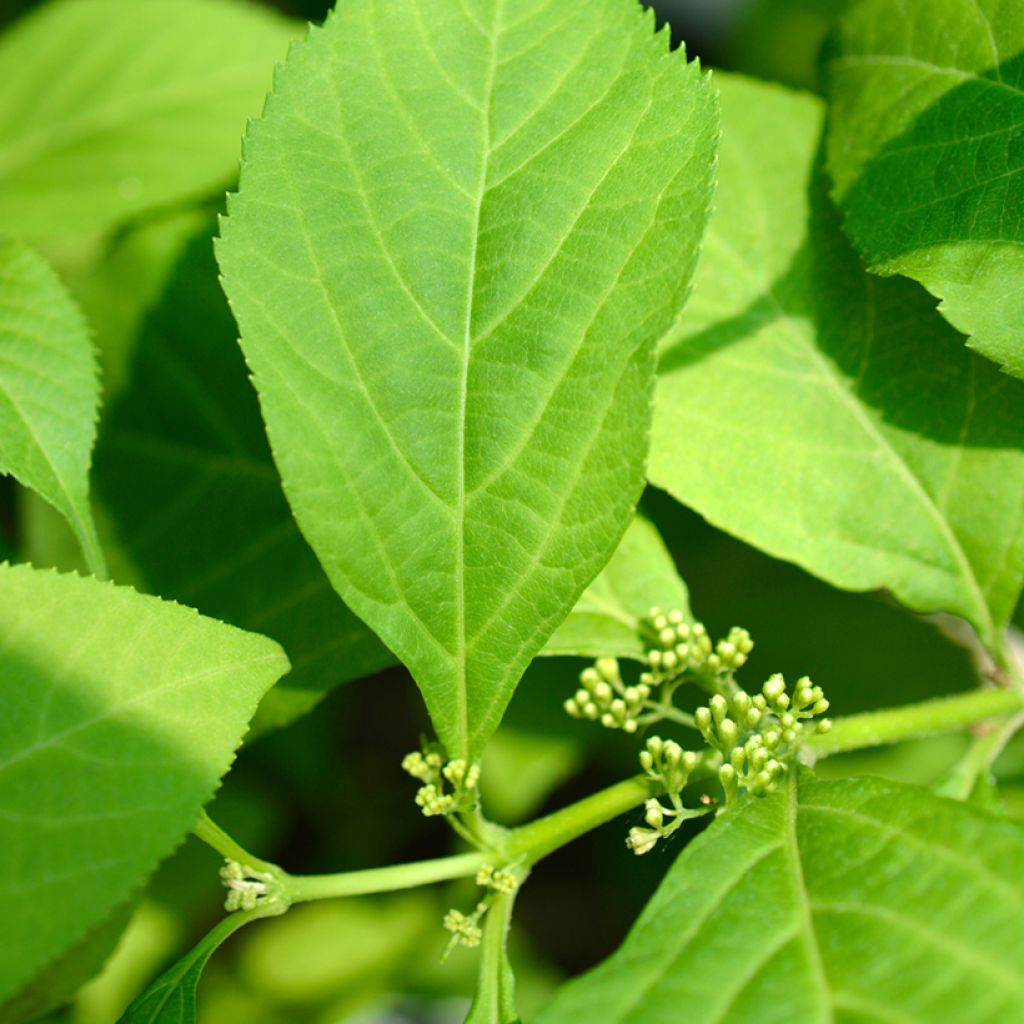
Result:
x=827 y=416
x=926 y=148
x=121 y=714
x=854 y=902
x=452 y=251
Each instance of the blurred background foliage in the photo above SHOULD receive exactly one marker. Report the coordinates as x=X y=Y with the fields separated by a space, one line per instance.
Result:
x=326 y=792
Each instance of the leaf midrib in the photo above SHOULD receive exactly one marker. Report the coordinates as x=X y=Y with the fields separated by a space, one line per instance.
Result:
x=462 y=696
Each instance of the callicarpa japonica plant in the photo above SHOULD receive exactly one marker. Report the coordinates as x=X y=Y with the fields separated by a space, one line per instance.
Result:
x=514 y=317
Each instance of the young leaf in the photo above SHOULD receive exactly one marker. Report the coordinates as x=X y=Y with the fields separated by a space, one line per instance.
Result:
x=927 y=100
x=606 y=618
x=121 y=712
x=147 y=114
x=171 y=998
x=461 y=226
x=184 y=472
x=859 y=900
x=824 y=415
x=49 y=393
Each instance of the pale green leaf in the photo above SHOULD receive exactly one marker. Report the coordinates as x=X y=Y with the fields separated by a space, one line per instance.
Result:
x=926 y=148
x=827 y=416
x=114 y=107
x=606 y=619
x=171 y=998
x=861 y=901
x=49 y=392
x=461 y=227
x=121 y=712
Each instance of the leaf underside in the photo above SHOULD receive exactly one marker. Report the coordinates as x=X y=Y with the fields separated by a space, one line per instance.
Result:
x=451 y=254
x=927 y=153
x=121 y=712
x=860 y=901
x=827 y=416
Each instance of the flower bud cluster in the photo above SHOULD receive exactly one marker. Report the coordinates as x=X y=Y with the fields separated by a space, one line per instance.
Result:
x=499 y=880
x=247 y=887
x=680 y=647
x=758 y=735
x=465 y=928
x=604 y=697
x=732 y=652
x=667 y=763
x=448 y=786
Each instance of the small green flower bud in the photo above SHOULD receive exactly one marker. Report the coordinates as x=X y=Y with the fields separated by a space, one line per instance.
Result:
x=759 y=702
x=673 y=753
x=771 y=738
x=655 y=744
x=820 y=706
x=590 y=710
x=689 y=761
x=603 y=692
x=702 y=719
x=824 y=726
x=589 y=677
x=741 y=703
x=654 y=814
x=608 y=668
x=571 y=708
x=654 y=612
x=629 y=725
x=646 y=761
x=660 y=622
x=774 y=687
x=719 y=707
x=669 y=660
x=654 y=658
x=738 y=758
x=667 y=637
x=751 y=718
x=787 y=720
x=675 y=617
x=729 y=733
x=714 y=662
x=727 y=777
x=608 y=720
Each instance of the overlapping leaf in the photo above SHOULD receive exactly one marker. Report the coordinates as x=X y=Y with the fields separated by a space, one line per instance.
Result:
x=606 y=619
x=113 y=107
x=926 y=148
x=49 y=392
x=185 y=474
x=451 y=253
x=121 y=712
x=859 y=900
x=827 y=416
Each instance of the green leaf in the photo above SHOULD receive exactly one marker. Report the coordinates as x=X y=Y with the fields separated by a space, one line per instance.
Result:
x=824 y=415
x=49 y=393
x=859 y=901
x=171 y=998
x=121 y=712
x=449 y=285
x=58 y=981
x=148 y=113
x=184 y=473
x=606 y=619
x=925 y=148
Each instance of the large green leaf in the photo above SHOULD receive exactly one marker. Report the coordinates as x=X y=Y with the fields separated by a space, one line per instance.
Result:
x=827 y=416
x=121 y=712
x=461 y=227
x=606 y=618
x=114 y=107
x=185 y=474
x=859 y=901
x=927 y=107
x=49 y=393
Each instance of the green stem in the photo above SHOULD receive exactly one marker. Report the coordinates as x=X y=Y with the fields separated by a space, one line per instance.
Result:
x=529 y=843
x=213 y=835
x=978 y=759
x=914 y=721
x=398 y=876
